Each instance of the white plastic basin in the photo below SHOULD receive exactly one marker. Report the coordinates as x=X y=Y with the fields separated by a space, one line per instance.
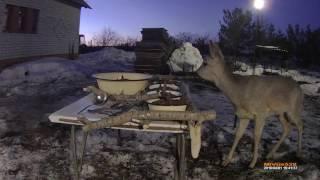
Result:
x=117 y=83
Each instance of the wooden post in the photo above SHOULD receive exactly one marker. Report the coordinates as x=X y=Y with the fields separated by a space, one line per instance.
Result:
x=73 y=151
x=182 y=161
x=180 y=157
x=77 y=161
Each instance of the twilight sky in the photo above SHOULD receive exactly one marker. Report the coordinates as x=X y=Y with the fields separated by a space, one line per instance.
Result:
x=127 y=17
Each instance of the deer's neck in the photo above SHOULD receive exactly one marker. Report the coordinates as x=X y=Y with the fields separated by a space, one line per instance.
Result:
x=227 y=83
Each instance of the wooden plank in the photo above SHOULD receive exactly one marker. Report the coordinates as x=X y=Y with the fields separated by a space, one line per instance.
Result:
x=151 y=45
x=154 y=50
x=144 y=65
x=149 y=71
x=151 y=129
x=148 y=116
x=150 y=59
x=150 y=63
x=150 y=54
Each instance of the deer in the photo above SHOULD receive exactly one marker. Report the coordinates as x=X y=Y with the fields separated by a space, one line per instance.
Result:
x=256 y=98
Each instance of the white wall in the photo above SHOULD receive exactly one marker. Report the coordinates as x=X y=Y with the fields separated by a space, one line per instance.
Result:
x=58 y=29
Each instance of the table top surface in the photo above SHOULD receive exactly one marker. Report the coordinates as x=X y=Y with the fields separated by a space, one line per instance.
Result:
x=85 y=107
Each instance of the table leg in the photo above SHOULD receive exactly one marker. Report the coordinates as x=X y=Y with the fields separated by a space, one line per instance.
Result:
x=73 y=152
x=180 y=156
x=77 y=161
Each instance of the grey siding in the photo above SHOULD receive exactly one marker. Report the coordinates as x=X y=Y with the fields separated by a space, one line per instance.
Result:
x=58 y=29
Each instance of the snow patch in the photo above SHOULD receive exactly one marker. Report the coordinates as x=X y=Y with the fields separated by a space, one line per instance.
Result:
x=26 y=78
x=108 y=59
x=41 y=71
x=87 y=170
x=310 y=80
x=201 y=173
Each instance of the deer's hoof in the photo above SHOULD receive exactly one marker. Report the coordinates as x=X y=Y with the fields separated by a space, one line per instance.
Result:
x=225 y=162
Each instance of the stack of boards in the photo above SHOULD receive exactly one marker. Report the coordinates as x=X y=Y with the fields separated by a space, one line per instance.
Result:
x=153 y=51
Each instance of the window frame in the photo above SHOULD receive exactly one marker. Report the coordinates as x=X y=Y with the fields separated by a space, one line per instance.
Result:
x=20 y=19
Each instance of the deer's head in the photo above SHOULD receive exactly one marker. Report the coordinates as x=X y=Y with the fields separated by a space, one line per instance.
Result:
x=214 y=65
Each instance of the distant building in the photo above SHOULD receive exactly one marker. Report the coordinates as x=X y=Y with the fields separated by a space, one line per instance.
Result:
x=153 y=51
x=37 y=28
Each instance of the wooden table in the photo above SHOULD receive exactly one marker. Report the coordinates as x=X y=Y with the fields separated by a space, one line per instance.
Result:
x=70 y=115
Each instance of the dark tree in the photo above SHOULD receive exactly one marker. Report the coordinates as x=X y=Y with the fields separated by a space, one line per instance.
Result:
x=304 y=44
x=236 y=31
x=240 y=32
x=199 y=41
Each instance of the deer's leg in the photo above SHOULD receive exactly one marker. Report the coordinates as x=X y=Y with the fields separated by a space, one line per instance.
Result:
x=296 y=119
x=259 y=124
x=299 y=125
x=286 y=127
x=300 y=130
x=243 y=124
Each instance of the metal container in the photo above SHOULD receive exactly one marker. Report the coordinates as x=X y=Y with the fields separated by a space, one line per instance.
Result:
x=117 y=83
x=154 y=107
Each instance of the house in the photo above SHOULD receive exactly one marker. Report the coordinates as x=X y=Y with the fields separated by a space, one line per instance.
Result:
x=37 y=28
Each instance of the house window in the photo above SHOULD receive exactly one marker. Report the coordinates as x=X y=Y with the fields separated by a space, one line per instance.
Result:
x=21 y=19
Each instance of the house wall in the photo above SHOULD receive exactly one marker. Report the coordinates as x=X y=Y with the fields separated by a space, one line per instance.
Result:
x=58 y=29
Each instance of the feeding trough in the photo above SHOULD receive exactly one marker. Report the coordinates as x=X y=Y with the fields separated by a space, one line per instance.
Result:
x=167 y=101
x=170 y=97
x=176 y=104
x=117 y=83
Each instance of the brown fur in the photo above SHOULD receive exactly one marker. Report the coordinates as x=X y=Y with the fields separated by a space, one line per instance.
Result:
x=256 y=98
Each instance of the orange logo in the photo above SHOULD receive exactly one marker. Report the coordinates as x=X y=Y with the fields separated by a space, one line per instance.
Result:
x=280 y=166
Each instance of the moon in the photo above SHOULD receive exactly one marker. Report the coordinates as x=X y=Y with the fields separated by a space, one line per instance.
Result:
x=259 y=4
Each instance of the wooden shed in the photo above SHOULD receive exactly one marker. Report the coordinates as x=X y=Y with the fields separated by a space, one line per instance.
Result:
x=153 y=51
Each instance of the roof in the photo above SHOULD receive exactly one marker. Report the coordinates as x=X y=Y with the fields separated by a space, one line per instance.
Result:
x=81 y=3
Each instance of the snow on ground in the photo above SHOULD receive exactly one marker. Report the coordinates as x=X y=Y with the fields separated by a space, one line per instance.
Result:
x=310 y=81
x=108 y=59
x=25 y=78
x=33 y=148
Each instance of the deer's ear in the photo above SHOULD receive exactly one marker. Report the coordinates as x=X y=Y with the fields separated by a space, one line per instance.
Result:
x=215 y=50
x=218 y=51
x=211 y=49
